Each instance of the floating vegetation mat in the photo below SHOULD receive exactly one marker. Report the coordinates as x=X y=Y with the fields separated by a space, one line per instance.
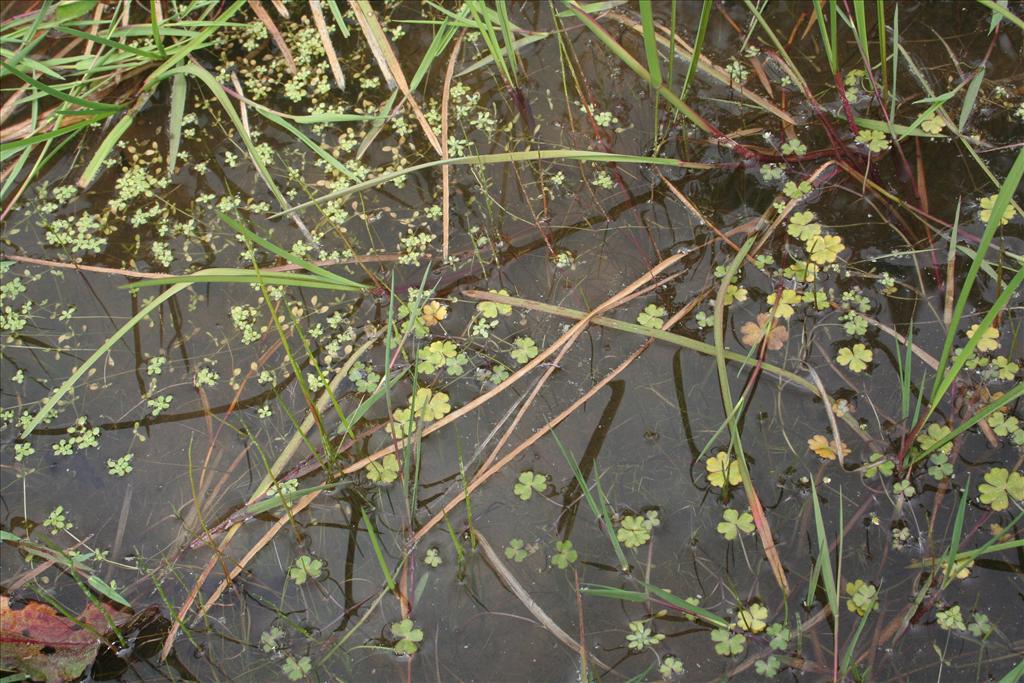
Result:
x=511 y=341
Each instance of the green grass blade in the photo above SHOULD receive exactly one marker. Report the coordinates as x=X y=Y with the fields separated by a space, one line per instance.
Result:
x=180 y=52
x=650 y=43
x=639 y=70
x=86 y=105
x=851 y=647
x=105 y=148
x=824 y=556
x=107 y=42
x=598 y=506
x=944 y=378
x=106 y=590
x=1004 y=400
x=882 y=56
x=1002 y=11
x=377 y=550
x=827 y=40
x=968 y=350
x=287 y=255
x=600 y=591
x=218 y=92
x=154 y=25
x=970 y=97
x=506 y=33
x=698 y=46
x=69 y=383
x=179 y=95
x=245 y=276
x=7 y=149
x=505 y=157
x=1014 y=675
x=958 y=529
x=861 y=31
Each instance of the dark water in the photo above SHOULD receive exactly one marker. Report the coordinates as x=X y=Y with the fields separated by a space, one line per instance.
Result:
x=641 y=435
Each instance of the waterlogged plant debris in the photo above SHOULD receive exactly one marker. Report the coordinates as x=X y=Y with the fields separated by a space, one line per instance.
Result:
x=38 y=641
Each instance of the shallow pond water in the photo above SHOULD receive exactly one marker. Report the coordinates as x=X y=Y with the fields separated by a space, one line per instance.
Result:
x=315 y=593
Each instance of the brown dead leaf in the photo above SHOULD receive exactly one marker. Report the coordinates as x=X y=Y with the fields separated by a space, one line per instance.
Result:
x=36 y=640
x=753 y=332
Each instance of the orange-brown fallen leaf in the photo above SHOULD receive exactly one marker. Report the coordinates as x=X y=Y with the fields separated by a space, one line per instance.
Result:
x=753 y=332
x=824 y=448
x=36 y=640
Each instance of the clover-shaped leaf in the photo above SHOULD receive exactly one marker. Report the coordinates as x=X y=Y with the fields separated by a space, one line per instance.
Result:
x=933 y=125
x=795 y=191
x=719 y=466
x=879 y=463
x=1003 y=425
x=988 y=203
x=823 y=448
x=980 y=627
x=565 y=554
x=753 y=332
x=652 y=316
x=733 y=523
x=491 y=309
x=433 y=312
x=525 y=349
x=516 y=550
x=670 y=666
x=951 y=619
x=1000 y=485
x=296 y=669
x=803 y=226
x=856 y=357
x=802 y=271
x=735 y=293
x=904 y=488
x=780 y=636
x=855 y=324
x=876 y=140
x=433 y=356
x=400 y=426
x=728 y=643
x=305 y=567
x=768 y=667
x=939 y=467
x=432 y=558
x=824 y=249
x=784 y=309
x=383 y=471
x=633 y=531
x=989 y=338
x=931 y=435
x=794 y=146
x=407 y=636
x=819 y=298
x=430 y=405
x=753 y=618
x=641 y=636
x=863 y=596
x=528 y=483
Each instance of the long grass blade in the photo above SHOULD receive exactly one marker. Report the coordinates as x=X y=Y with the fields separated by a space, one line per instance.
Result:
x=179 y=95
x=504 y=157
x=650 y=43
x=944 y=378
x=824 y=555
x=698 y=46
x=970 y=97
x=108 y=344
